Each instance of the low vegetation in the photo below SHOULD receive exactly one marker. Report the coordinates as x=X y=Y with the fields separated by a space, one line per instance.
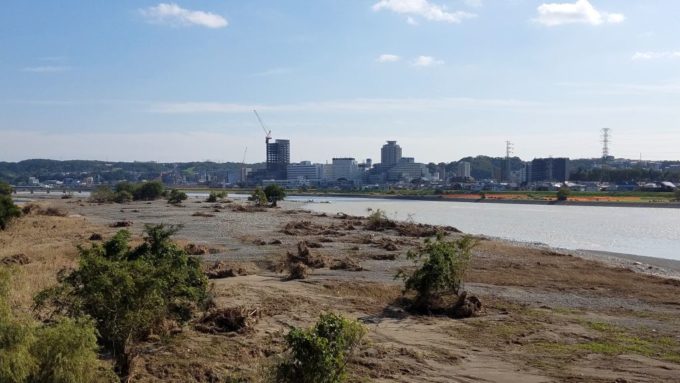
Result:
x=563 y=193
x=378 y=221
x=176 y=197
x=62 y=351
x=440 y=274
x=8 y=210
x=125 y=192
x=274 y=193
x=129 y=292
x=216 y=196
x=258 y=197
x=320 y=354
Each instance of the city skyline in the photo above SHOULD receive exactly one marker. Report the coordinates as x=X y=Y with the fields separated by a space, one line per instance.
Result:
x=177 y=81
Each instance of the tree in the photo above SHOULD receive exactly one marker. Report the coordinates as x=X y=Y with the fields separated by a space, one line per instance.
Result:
x=563 y=193
x=148 y=191
x=274 y=193
x=320 y=354
x=444 y=264
x=176 y=197
x=258 y=196
x=8 y=210
x=129 y=292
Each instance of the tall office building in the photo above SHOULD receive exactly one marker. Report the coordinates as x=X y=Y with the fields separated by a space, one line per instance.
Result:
x=278 y=159
x=549 y=169
x=463 y=169
x=390 y=154
x=345 y=168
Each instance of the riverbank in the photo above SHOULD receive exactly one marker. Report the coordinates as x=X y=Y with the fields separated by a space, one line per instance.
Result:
x=548 y=315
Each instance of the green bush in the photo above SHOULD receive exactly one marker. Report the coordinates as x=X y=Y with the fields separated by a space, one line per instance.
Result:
x=64 y=352
x=148 y=191
x=378 y=221
x=5 y=189
x=67 y=352
x=102 y=194
x=122 y=197
x=563 y=193
x=320 y=354
x=129 y=292
x=259 y=197
x=216 y=196
x=176 y=196
x=8 y=211
x=274 y=193
x=444 y=264
x=16 y=339
x=677 y=194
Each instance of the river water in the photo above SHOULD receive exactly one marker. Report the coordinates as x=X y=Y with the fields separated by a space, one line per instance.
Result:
x=652 y=232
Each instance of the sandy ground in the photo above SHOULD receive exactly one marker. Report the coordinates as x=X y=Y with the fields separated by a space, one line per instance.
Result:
x=548 y=316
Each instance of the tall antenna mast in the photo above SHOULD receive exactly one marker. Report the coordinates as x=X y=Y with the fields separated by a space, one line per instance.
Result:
x=508 y=152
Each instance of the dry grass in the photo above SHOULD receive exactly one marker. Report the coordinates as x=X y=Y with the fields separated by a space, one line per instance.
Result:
x=49 y=243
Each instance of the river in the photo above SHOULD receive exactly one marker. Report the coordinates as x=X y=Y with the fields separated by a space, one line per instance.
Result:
x=652 y=232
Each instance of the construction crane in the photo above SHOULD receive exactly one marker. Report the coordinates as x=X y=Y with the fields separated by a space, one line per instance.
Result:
x=268 y=133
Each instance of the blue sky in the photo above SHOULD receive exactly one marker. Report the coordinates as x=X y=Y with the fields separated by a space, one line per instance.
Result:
x=177 y=81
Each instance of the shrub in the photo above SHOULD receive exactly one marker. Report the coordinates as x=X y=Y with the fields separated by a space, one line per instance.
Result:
x=176 y=196
x=8 y=211
x=443 y=268
x=67 y=352
x=378 y=221
x=259 y=197
x=102 y=194
x=563 y=193
x=122 y=197
x=215 y=196
x=129 y=292
x=677 y=194
x=148 y=191
x=16 y=339
x=274 y=193
x=5 y=189
x=320 y=354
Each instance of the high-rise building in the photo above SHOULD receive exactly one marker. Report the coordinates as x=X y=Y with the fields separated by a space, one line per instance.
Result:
x=463 y=169
x=278 y=158
x=390 y=154
x=345 y=168
x=549 y=169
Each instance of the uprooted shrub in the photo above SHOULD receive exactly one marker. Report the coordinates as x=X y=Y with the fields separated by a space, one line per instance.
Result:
x=378 y=221
x=440 y=275
x=61 y=352
x=128 y=291
x=320 y=354
x=230 y=319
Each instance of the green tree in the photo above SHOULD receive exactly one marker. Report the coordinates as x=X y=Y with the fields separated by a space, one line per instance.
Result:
x=148 y=191
x=320 y=354
x=102 y=194
x=563 y=193
x=274 y=193
x=8 y=210
x=176 y=196
x=444 y=264
x=129 y=292
x=16 y=339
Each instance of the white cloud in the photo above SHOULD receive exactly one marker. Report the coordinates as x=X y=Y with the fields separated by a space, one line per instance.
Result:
x=425 y=61
x=655 y=55
x=388 y=58
x=580 y=12
x=46 y=69
x=421 y=8
x=173 y=14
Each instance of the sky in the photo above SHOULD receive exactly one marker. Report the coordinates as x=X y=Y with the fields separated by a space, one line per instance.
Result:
x=178 y=81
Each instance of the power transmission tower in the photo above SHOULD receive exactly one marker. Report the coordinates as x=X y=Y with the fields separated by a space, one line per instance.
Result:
x=606 y=139
x=508 y=152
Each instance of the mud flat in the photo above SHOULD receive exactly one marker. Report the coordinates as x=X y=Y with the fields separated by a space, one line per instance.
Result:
x=548 y=316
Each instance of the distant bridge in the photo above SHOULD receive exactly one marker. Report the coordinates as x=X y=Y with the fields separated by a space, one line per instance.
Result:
x=50 y=189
